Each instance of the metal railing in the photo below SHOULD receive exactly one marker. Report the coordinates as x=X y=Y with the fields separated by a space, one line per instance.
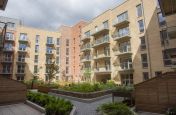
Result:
x=101 y=40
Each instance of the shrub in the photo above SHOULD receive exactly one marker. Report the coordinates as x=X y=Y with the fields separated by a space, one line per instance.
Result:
x=115 y=109
x=53 y=105
x=171 y=111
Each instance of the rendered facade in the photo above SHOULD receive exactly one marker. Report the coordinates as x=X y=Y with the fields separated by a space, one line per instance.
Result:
x=128 y=44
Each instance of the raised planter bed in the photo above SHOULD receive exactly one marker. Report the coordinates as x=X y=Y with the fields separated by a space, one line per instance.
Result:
x=82 y=95
x=42 y=110
x=44 y=89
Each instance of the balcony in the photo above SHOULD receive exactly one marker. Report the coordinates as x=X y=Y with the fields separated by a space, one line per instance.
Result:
x=22 y=50
x=86 y=37
x=103 y=70
x=9 y=38
x=86 y=59
x=6 y=71
x=49 y=62
x=102 y=41
x=8 y=49
x=172 y=32
x=99 y=30
x=102 y=56
x=119 y=23
x=7 y=60
x=124 y=52
x=122 y=37
x=23 y=40
x=126 y=67
x=50 y=43
x=86 y=47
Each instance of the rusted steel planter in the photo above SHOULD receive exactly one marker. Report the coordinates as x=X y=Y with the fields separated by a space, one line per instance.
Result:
x=82 y=95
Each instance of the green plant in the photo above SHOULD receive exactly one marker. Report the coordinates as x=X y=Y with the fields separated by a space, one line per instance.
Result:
x=53 y=105
x=115 y=109
x=171 y=111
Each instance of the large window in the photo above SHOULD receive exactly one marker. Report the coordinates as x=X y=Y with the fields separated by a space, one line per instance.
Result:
x=21 y=58
x=161 y=19
x=163 y=36
x=49 y=40
x=36 y=48
x=8 y=46
x=122 y=17
x=6 y=69
x=37 y=39
x=35 y=68
x=58 y=51
x=9 y=36
x=36 y=59
x=145 y=76
x=124 y=47
x=58 y=41
x=23 y=36
x=127 y=79
x=143 y=43
x=20 y=68
x=22 y=47
x=141 y=25
x=57 y=60
x=144 y=60
x=87 y=34
x=105 y=24
x=123 y=32
x=139 y=10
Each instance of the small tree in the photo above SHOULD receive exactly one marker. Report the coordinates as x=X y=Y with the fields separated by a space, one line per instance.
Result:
x=34 y=79
x=87 y=74
x=53 y=69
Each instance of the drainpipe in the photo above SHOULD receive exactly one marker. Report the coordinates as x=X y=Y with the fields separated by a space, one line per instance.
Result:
x=148 y=45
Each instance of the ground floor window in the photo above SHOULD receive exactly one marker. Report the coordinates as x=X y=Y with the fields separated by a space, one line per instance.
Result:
x=20 y=78
x=127 y=79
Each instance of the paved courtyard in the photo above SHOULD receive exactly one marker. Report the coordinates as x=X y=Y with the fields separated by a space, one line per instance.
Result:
x=18 y=109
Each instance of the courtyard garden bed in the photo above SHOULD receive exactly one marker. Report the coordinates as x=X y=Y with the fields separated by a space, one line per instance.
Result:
x=52 y=105
x=114 y=109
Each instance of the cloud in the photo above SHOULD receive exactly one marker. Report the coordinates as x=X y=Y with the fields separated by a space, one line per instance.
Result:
x=51 y=14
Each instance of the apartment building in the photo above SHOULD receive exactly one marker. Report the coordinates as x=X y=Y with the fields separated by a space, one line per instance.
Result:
x=128 y=43
x=27 y=51
x=70 y=51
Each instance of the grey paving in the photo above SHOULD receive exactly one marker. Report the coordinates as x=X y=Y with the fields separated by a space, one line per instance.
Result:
x=83 y=108
x=148 y=113
x=18 y=109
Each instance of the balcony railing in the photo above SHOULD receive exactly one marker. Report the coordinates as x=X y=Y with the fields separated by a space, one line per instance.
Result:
x=101 y=41
x=126 y=66
x=50 y=43
x=49 y=52
x=103 y=69
x=86 y=59
x=6 y=71
x=171 y=32
x=9 y=38
x=99 y=30
x=118 y=23
x=8 y=49
x=22 y=49
x=21 y=60
x=122 y=36
x=23 y=39
x=102 y=56
x=7 y=59
x=86 y=37
x=86 y=47
x=123 y=51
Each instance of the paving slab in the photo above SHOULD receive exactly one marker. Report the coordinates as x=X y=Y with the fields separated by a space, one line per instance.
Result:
x=18 y=109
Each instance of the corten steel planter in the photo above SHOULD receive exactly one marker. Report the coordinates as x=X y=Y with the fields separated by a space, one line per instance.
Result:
x=82 y=95
x=45 y=89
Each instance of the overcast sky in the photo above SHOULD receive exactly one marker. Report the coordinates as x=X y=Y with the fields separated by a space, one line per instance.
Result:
x=51 y=14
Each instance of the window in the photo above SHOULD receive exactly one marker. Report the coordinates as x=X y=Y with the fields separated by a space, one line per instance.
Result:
x=143 y=43
x=127 y=79
x=49 y=49
x=9 y=36
x=20 y=78
x=105 y=24
x=20 y=69
x=23 y=36
x=168 y=55
x=36 y=59
x=11 y=25
x=145 y=76
x=8 y=46
x=96 y=28
x=161 y=19
x=67 y=51
x=141 y=25
x=122 y=17
x=123 y=32
x=158 y=73
x=21 y=58
x=163 y=36
x=126 y=64
x=87 y=34
x=37 y=39
x=7 y=57
x=139 y=10
x=67 y=70
x=35 y=68
x=57 y=60
x=144 y=60
x=157 y=3
x=36 y=48
x=58 y=41
x=58 y=51
x=49 y=40
x=6 y=69
x=67 y=60
x=67 y=42
x=124 y=47
x=22 y=47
